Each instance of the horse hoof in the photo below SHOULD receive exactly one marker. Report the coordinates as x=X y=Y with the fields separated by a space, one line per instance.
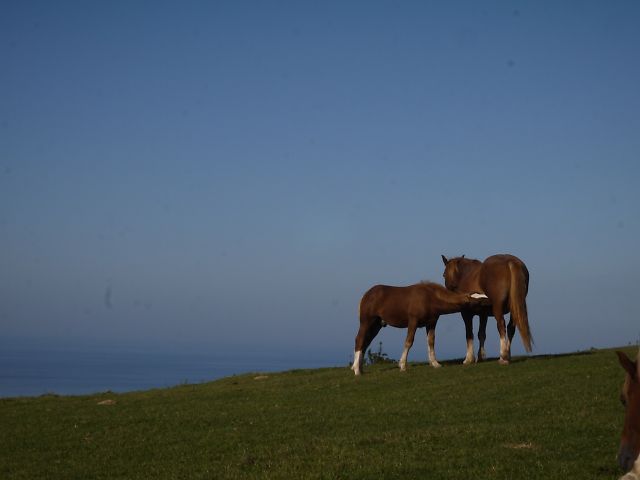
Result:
x=468 y=361
x=502 y=361
x=435 y=365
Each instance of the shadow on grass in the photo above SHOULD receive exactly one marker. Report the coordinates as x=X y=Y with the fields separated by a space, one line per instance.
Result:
x=553 y=355
x=518 y=359
x=393 y=365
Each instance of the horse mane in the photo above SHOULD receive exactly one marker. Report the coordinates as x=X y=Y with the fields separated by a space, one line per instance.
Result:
x=464 y=259
x=462 y=263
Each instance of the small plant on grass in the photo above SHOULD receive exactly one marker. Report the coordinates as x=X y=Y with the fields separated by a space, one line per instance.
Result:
x=378 y=357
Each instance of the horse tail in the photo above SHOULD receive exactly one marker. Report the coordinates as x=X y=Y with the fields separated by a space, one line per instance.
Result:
x=518 y=303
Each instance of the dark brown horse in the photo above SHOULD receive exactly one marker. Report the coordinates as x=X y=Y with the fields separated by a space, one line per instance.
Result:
x=505 y=280
x=630 y=442
x=409 y=307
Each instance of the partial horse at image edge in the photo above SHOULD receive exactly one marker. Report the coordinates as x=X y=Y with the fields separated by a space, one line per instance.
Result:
x=629 y=452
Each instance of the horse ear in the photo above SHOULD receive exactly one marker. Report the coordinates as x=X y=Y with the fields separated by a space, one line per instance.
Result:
x=463 y=255
x=628 y=365
x=444 y=259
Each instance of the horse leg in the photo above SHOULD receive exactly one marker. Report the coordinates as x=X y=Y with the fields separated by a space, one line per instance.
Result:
x=431 y=343
x=468 y=326
x=504 y=351
x=368 y=330
x=482 y=336
x=408 y=343
x=357 y=352
x=366 y=324
x=374 y=328
x=511 y=331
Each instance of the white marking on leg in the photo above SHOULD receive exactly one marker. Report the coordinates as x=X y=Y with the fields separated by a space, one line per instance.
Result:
x=432 y=359
x=357 y=359
x=403 y=359
x=431 y=346
x=469 y=357
x=504 y=359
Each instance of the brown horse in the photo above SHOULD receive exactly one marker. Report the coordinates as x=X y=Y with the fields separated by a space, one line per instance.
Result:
x=409 y=307
x=505 y=280
x=628 y=455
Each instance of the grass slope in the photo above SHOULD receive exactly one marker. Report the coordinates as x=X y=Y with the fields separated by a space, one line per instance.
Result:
x=539 y=418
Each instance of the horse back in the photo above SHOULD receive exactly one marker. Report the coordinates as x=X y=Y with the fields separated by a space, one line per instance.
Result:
x=497 y=277
x=495 y=272
x=395 y=302
x=502 y=259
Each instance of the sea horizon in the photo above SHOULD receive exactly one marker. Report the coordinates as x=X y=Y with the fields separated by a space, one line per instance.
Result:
x=28 y=370
x=31 y=367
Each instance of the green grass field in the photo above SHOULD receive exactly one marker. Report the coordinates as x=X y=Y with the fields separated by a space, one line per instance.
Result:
x=541 y=417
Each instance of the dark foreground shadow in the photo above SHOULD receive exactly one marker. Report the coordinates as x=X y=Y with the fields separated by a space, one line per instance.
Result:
x=518 y=359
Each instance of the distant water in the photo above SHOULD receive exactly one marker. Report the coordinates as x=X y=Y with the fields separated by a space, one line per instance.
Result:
x=32 y=372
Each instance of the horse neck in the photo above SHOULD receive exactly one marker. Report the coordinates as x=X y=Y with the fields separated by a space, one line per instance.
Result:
x=469 y=267
x=451 y=302
x=468 y=274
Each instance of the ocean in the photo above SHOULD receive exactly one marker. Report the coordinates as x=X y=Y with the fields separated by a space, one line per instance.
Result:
x=38 y=371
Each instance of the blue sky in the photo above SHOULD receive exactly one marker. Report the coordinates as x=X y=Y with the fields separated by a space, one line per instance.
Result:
x=234 y=175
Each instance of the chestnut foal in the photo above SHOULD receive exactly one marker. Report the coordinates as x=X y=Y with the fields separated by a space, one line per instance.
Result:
x=409 y=307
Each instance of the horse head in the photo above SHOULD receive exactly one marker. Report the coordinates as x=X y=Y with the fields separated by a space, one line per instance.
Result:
x=630 y=398
x=451 y=272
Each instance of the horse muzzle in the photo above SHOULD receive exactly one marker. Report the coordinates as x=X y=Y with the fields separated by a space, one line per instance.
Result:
x=625 y=458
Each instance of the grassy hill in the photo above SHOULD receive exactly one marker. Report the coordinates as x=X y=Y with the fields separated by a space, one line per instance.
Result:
x=539 y=418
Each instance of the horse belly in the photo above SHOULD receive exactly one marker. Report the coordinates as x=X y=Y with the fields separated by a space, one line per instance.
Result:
x=399 y=321
x=480 y=310
x=487 y=311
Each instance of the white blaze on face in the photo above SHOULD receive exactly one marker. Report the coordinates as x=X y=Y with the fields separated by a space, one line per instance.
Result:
x=478 y=295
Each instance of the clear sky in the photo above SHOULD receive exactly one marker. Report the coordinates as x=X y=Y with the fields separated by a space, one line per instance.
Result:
x=232 y=176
